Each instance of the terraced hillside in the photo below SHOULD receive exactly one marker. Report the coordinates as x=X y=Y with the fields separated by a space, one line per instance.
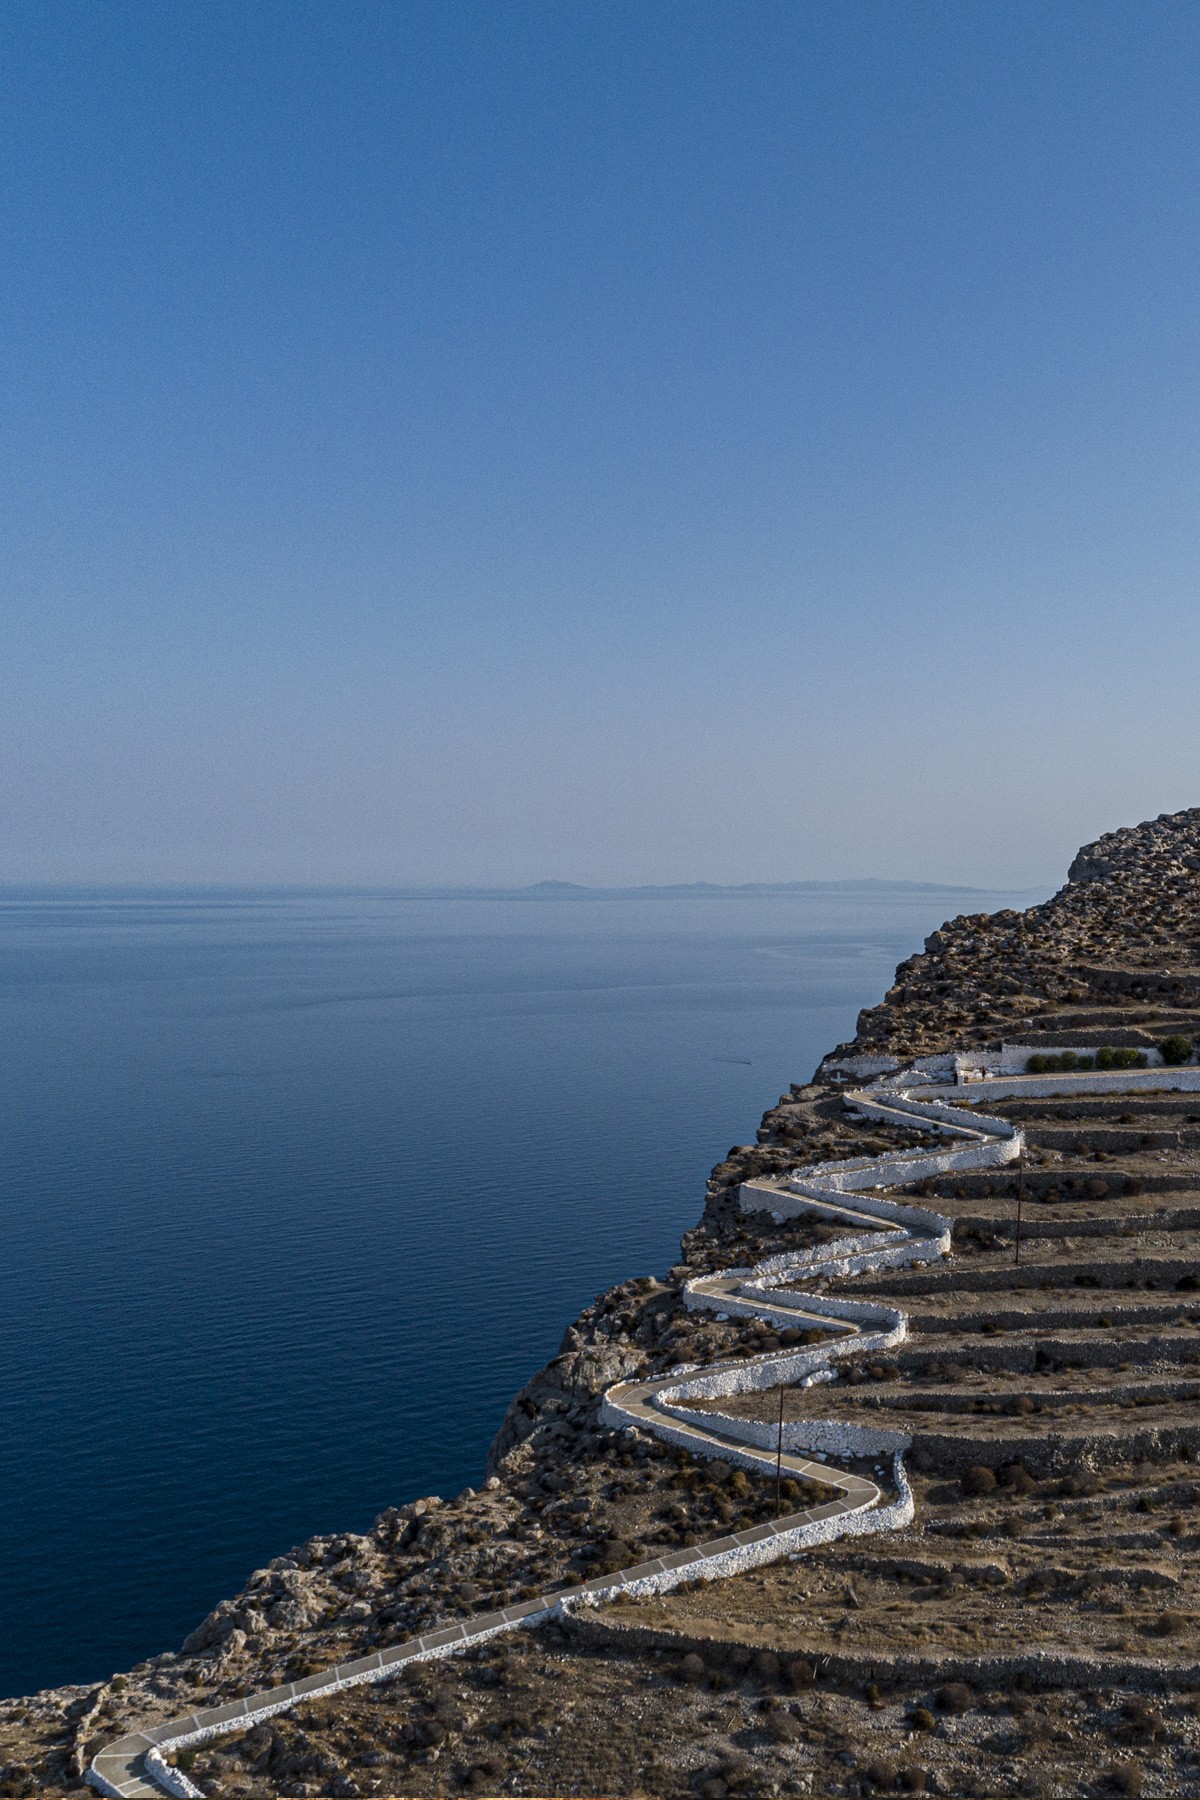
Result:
x=1034 y=1631
x=1052 y=1404
x=1120 y=944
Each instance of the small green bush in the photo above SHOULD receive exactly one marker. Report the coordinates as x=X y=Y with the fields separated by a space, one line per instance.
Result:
x=1176 y=1049
x=1109 y=1058
x=1068 y=1061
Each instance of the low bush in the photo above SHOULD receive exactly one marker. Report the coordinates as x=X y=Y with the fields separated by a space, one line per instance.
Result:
x=783 y=1727
x=1064 y=1062
x=1121 y=1059
x=1176 y=1049
x=1016 y=1477
x=955 y=1697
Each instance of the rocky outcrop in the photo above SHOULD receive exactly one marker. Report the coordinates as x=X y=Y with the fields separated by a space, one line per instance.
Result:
x=1167 y=846
x=1123 y=929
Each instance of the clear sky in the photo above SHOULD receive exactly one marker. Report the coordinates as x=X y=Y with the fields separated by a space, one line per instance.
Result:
x=615 y=440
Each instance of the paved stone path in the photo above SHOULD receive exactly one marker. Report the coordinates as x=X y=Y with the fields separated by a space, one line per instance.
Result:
x=884 y=1234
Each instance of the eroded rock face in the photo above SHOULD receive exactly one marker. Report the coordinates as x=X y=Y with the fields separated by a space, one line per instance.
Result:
x=220 y=1624
x=1122 y=933
x=1171 y=839
x=576 y=1378
x=293 y=1601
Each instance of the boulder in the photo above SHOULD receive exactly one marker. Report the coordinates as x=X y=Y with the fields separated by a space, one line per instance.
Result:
x=220 y=1624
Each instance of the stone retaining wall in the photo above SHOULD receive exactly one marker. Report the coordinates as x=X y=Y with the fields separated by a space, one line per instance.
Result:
x=915 y=1235
x=1037 y=1669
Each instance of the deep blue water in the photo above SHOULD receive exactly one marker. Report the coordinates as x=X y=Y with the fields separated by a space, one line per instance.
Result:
x=296 y=1191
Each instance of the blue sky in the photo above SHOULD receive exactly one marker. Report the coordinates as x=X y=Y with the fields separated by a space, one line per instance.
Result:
x=623 y=442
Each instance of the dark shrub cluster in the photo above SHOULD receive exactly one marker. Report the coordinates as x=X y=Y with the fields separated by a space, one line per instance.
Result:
x=1121 y=1059
x=1063 y=1061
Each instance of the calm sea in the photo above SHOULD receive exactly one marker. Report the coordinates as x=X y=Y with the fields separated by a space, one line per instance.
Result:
x=297 y=1190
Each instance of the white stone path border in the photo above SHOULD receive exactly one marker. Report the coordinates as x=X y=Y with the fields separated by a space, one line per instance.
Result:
x=885 y=1234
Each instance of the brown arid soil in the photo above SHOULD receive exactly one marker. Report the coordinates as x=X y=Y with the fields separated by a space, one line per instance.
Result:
x=1035 y=1631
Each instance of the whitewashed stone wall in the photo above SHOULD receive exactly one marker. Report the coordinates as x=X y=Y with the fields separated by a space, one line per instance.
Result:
x=1011 y=1059
x=1184 y=1080
x=915 y=1233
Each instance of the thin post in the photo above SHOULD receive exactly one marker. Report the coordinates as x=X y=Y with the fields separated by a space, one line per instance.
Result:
x=1020 y=1201
x=779 y=1458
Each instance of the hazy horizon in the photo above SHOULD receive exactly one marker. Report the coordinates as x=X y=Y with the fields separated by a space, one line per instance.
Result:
x=632 y=444
x=547 y=888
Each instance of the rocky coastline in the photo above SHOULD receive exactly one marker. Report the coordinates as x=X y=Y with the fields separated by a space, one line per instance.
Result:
x=1052 y=1404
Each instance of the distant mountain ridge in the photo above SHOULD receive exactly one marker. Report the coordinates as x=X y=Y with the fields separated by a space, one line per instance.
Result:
x=550 y=890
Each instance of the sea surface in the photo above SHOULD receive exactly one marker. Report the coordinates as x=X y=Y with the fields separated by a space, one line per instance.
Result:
x=298 y=1189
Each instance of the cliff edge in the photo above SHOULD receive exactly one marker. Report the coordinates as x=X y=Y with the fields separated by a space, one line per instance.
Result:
x=1035 y=1629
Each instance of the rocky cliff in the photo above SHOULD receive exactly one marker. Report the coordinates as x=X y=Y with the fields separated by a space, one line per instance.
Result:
x=1037 y=1625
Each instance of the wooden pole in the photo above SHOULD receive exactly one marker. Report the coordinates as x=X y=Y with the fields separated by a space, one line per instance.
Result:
x=779 y=1458
x=1020 y=1201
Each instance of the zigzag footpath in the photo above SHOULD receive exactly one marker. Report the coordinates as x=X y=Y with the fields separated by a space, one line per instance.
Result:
x=881 y=1235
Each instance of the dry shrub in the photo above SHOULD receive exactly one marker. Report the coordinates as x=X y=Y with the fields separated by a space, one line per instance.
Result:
x=783 y=1727
x=1140 y=1721
x=913 y=1781
x=955 y=1697
x=1016 y=1477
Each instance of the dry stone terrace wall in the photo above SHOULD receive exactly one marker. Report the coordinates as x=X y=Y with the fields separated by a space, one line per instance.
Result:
x=901 y=1235
x=1121 y=934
